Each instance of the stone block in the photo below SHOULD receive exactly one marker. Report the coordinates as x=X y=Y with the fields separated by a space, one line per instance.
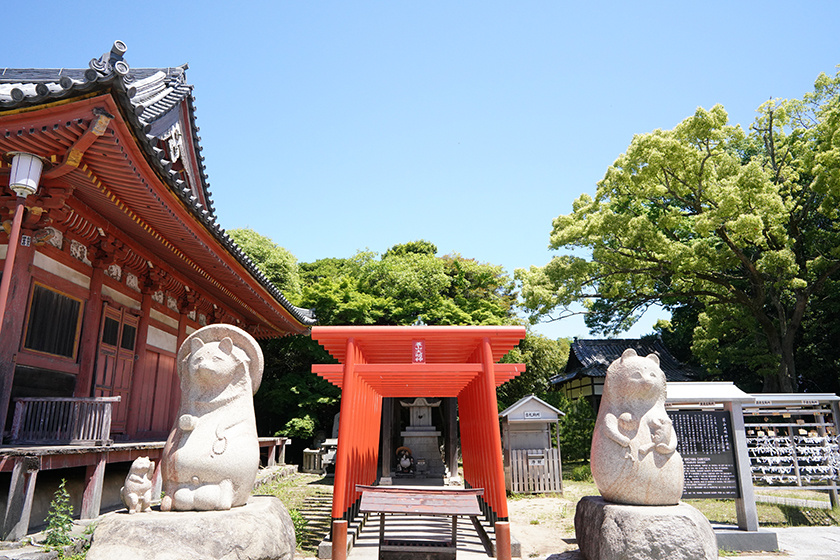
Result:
x=607 y=531
x=260 y=530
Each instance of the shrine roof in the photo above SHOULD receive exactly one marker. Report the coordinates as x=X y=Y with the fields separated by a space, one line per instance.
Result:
x=592 y=357
x=393 y=344
x=151 y=101
x=452 y=357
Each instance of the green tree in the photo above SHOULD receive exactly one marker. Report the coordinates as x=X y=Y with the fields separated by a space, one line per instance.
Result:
x=278 y=264
x=543 y=358
x=408 y=281
x=746 y=226
x=576 y=427
x=818 y=354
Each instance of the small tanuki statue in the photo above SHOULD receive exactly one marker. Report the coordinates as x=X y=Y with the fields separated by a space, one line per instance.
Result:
x=634 y=459
x=136 y=494
x=211 y=458
x=405 y=462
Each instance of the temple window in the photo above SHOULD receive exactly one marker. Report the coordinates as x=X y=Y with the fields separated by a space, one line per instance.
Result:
x=53 y=322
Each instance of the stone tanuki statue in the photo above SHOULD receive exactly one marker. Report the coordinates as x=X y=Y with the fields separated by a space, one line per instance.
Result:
x=136 y=494
x=211 y=458
x=634 y=459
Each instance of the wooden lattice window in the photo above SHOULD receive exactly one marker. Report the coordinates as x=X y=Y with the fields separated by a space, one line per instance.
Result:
x=53 y=322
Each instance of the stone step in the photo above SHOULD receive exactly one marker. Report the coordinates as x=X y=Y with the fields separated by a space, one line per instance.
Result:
x=317 y=510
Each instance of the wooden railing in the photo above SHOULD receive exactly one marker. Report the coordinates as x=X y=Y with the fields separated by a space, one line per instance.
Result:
x=77 y=421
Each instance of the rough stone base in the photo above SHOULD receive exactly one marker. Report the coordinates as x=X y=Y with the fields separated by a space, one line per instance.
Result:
x=607 y=531
x=260 y=530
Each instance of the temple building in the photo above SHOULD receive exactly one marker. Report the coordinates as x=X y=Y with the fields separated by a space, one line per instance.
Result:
x=110 y=247
x=589 y=359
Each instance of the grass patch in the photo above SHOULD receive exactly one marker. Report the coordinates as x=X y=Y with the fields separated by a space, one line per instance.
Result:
x=769 y=515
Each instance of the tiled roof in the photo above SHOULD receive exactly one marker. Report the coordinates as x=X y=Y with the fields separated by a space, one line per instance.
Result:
x=592 y=357
x=147 y=97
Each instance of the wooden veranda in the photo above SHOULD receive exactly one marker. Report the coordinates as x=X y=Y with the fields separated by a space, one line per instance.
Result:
x=418 y=361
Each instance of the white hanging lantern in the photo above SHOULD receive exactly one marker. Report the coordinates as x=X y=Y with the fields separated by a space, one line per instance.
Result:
x=25 y=174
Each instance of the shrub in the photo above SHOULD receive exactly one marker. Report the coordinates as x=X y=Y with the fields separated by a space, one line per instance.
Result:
x=299 y=522
x=581 y=473
x=59 y=520
x=575 y=437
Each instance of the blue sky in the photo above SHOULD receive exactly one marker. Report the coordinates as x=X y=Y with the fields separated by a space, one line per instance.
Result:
x=337 y=126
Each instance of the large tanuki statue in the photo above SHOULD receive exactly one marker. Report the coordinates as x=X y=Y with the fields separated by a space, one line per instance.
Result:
x=634 y=459
x=211 y=458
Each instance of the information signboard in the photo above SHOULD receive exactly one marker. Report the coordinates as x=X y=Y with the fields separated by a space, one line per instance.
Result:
x=704 y=439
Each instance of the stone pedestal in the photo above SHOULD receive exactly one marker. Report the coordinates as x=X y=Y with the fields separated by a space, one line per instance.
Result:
x=425 y=446
x=422 y=438
x=607 y=531
x=261 y=529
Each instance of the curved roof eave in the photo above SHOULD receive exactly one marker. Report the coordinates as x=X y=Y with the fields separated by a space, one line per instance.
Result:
x=22 y=89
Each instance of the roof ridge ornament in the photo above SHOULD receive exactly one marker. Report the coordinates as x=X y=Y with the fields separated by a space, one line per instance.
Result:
x=111 y=62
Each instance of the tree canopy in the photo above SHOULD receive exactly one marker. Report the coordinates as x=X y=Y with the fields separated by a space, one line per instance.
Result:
x=744 y=225
x=279 y=265
x=406 y=283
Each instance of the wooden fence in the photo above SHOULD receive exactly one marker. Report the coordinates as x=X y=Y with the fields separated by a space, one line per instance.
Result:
x=536 y=471
x=77 y=421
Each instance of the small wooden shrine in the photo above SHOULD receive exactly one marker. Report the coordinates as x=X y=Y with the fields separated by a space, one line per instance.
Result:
x=532 y=462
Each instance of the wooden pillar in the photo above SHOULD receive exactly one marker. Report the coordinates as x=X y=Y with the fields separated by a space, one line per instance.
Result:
x=490 y=418
x=21 y=496
x=89 y=340
x=94 y=478
x=450 y=448
x=345 y=451
x=502 y=531
x=13 y=321
x=138 y=374
x=386 y=453
x=281 y=453
x=339 y=539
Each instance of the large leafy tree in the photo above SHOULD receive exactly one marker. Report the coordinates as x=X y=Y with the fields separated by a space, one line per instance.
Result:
x=743 y=225
x=544 y=358
x=407 y=282
x=278 y=264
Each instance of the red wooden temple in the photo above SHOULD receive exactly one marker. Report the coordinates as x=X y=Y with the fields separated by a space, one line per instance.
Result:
x=116 y=257
x=418 y=361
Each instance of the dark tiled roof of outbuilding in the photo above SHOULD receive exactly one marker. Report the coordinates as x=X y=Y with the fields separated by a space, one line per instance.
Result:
x=147 y=97
x=592 y=357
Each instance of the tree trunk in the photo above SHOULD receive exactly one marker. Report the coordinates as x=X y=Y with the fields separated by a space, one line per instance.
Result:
x=784 y=380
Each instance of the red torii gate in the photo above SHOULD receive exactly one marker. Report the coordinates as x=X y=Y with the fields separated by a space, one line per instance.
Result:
x=418 y=361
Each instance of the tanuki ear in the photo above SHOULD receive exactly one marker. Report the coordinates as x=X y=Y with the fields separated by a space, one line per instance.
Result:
x=196 y=344
x=653 y=358
x=629 y=353
x=226 y=345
